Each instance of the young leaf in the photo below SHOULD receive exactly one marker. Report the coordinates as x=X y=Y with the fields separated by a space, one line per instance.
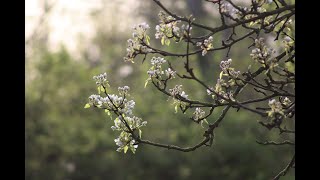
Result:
x=108 y=112
x=133 y=150
x=147 y=40
x=221 y=74
x=167 y=42
x=162 y=40
x=102 y=89
x=140 y=133
x=176 y=108
x=125 y=149
x=145 y=84
x=87 y=106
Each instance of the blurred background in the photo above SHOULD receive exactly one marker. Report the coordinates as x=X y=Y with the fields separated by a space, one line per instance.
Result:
x=68 y=42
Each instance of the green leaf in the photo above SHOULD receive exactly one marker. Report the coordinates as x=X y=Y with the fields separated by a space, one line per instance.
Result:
x=108 y=112
x=102 y=89
x=167 y=42
x=125 y=149
x=221 y=74
x=201 y=122
x=147 y=40
x=133 y=149
x=140 y=133
x=162 y=40
x=87 y=106
x=176 y=108
x=145 y=84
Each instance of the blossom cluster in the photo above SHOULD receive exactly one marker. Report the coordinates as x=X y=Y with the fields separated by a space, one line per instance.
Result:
x=177 y=90
x=206 y=45
x=177 y=93
x=219 y=89
x=156 y=71
x=222 y=87
x=198 y=114
x=227 y=8
x=286 y=101
x=276 y=108
x=125 y=122
x=101 y=79
x=137 y=45
x=263 y=54
x=123 y=90
x=168 y=28
x=225 y=67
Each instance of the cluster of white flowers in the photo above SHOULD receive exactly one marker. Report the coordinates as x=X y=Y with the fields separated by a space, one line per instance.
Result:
x=157 y=62
x=218 y=88
x=126 y=122
x=227 y=8
x=210 y=90
x=101 y=79
x=139 y=30
x=220 y=85
x=125 y=141
x=167 y=28
x=177 y=90
x=225 y=67
x=170 y=73
x=198 y=114
x=276 y=108
x=165 y=19
x=96 y=100
x=133 y=122
x=123 y=90
x=286 y=101
x=124 y=106
x=156 y=70
x=262 y=53
x=206 y=45
x=184 y=30
x=167 y=31
x=128 y=107
x=135 y=46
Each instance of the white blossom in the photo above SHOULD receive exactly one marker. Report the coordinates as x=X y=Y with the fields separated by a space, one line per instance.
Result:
x=198 y=114
x=123 y=90
x=205 y=45
x=101 y=79
x=276 y=107
x=177 y=90
x=170 y=73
